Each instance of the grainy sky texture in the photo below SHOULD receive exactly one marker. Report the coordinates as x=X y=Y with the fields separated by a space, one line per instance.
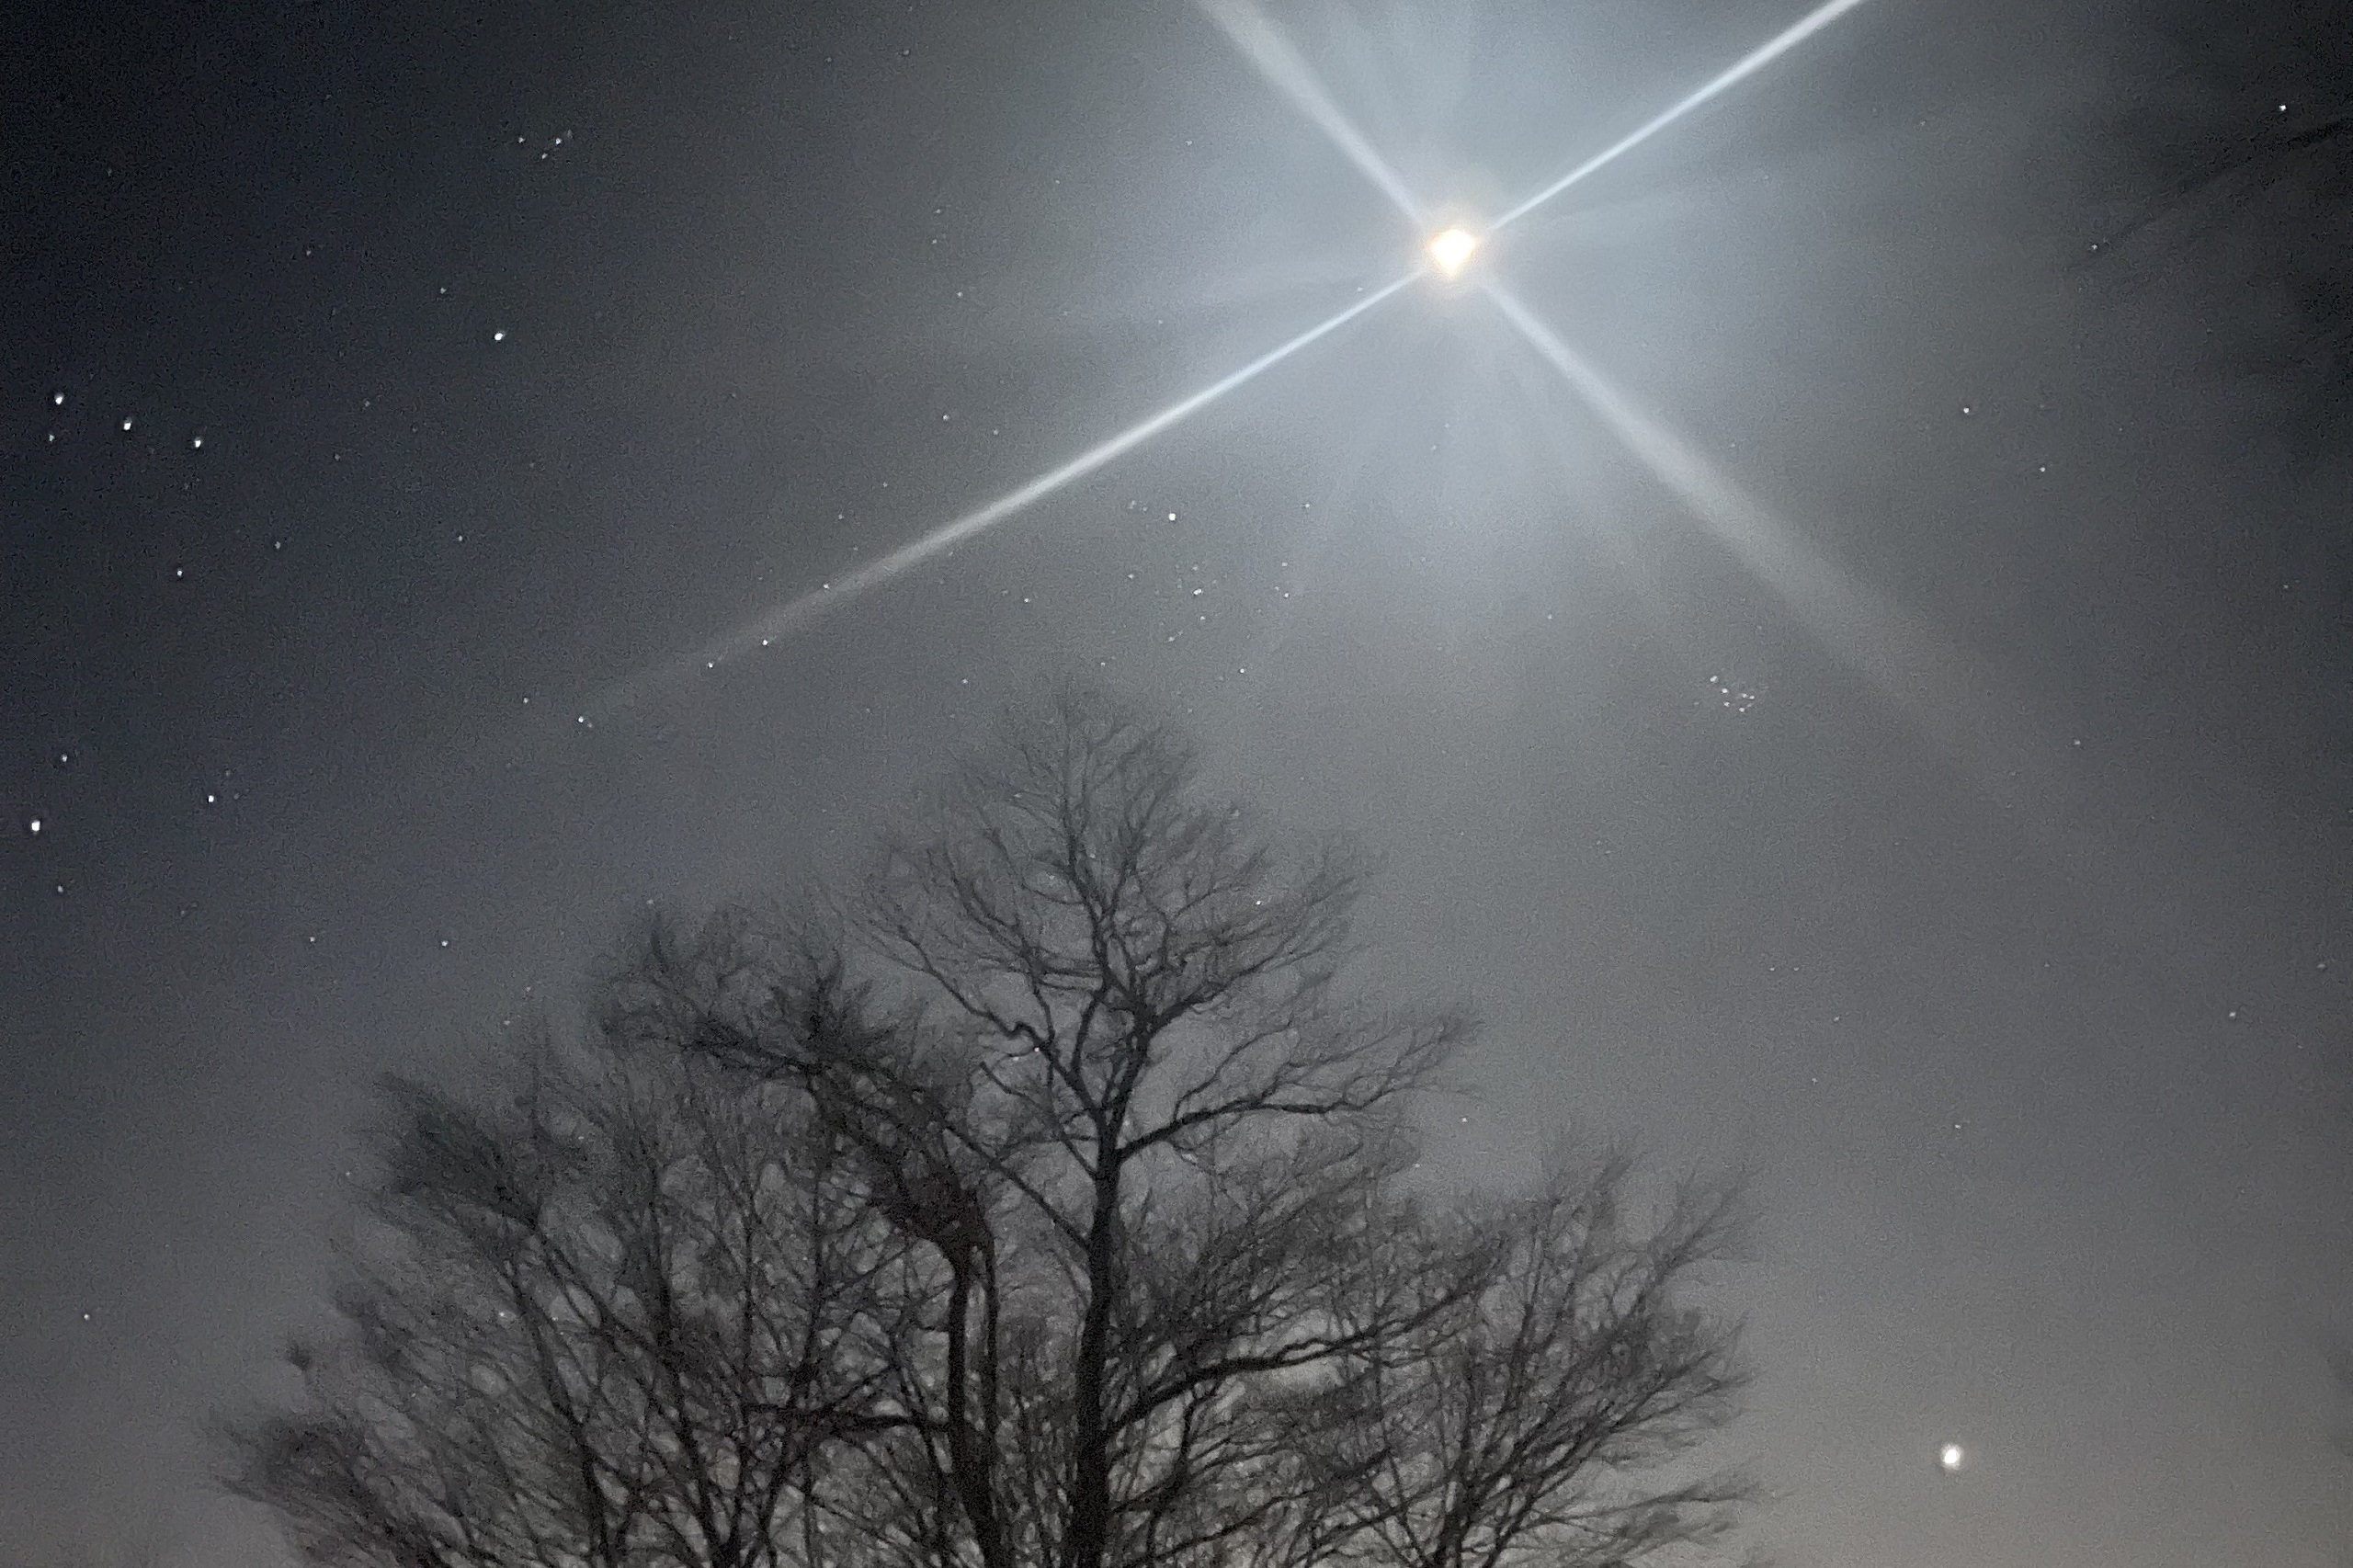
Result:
x=1952 y=825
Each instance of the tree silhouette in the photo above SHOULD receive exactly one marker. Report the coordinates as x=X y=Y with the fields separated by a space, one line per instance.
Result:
x=1051 y=1204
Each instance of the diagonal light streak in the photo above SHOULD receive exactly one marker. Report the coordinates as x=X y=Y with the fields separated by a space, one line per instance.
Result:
x=798 y=614
x=1266 y=47
x=1740 y=71
x=1871 y=635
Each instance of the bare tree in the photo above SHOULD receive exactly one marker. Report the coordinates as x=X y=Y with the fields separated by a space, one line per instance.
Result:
x=1529 y=1419
x=609 y=1321
x=1069 y=1178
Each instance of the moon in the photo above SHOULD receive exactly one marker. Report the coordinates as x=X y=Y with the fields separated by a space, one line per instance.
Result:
x=1451 y=250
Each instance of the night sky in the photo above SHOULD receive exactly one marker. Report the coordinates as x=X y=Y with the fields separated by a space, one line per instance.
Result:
x=395 y=397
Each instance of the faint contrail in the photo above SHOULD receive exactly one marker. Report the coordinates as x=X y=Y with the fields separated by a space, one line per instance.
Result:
x=1871 y=635
x=800 y=612
x=1748 y=66
x=1265 y=47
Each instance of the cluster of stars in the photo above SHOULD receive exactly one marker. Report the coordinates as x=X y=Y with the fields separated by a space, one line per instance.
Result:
x=1730 y=697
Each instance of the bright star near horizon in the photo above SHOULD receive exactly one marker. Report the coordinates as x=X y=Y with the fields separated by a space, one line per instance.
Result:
x=1451 y=250
x=1952 y=1456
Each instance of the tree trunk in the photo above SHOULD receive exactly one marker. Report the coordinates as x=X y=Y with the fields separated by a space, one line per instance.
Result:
x=972 y=1456
x=1090 y=1490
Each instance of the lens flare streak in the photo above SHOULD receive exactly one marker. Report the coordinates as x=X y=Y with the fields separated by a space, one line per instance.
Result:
x=800 y=612
x=1740 y=71
x=1871 y=636
x=1266 y=47
x=1737 y=521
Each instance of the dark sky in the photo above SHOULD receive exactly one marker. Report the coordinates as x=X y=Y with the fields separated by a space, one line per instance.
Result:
x=383 y=386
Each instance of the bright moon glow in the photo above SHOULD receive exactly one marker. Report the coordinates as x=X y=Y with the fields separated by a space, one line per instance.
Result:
x=1952 y=1456
x=1451 y=250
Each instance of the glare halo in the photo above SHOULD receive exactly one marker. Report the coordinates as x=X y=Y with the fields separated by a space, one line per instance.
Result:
x=1451 y=250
